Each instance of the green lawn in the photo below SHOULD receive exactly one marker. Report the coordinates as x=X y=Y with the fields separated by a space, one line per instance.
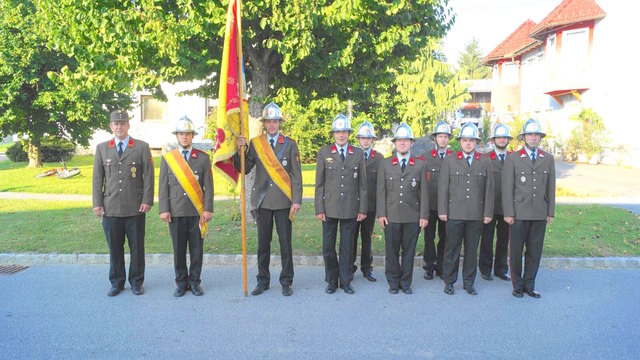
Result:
x=16 y=177
x=71 y=227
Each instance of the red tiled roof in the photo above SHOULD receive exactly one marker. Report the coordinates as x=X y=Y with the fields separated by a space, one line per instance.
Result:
x=568 y=12
x=516 y=41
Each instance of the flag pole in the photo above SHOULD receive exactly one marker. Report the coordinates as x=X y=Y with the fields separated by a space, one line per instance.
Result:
x=243 y=218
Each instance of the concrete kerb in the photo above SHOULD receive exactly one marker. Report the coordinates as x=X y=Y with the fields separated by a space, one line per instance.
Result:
x=31 y=259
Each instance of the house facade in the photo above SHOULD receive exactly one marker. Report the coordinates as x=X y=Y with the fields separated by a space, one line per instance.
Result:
x=568 y=61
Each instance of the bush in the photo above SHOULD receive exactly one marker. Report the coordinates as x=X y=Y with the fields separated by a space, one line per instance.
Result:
x=52 y=149
x=588 y=137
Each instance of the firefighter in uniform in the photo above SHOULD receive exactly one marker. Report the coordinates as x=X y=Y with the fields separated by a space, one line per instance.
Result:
x=402 y=209
x=486 y=262
x=366 y=136
x=185 y=202
x=433 y=255
x=465 y=201
x=276 y=194
x=340 y=199
x=528 y=199
x=122 y=192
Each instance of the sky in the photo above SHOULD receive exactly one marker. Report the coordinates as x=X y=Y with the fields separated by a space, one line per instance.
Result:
x=490 y=21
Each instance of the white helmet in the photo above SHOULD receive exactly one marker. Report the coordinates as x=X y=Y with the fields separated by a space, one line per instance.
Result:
x=532 y=126
x=184 y=125
x=403 y=131
x=365 y=130
x=501 y=130
x=468 y=131
x=341 y=123
x=441 y=128
x=271 y=112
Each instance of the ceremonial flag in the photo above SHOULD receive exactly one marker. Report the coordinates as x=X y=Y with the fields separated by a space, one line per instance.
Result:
x=228 y=121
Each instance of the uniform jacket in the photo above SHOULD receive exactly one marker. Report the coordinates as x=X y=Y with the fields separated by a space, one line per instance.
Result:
x=172 y=197
x=274 y=198
x=529 y=192
x=341 y=188
x=465 y=193
x=121 y=185
x=496 y=169
x=403 y=197
x=433 y=173
x=371 y=164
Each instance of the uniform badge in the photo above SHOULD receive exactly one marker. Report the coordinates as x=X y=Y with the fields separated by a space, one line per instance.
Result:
x=284 y=162
x=330 y=160
x=522 y=178
x=355 y=175
x=197 y=177
x=133 y=172
x=413 y=183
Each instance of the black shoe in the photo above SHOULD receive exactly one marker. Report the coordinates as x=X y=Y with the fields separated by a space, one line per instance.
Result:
x=439 y=274
x=448 y=289
x=287 y=290
x=471 y=290
x=393 y=290
x=331 y=288
x=428 y=275
x=259 y=289
x=180 y=290
x=517 y=293
x=348 y=289
x=115 y=290
x=197 y=290
x=504 y=277
x=369 y=276
x=137 y=290
x=353 y=269
x=487 y=277
x=407 y=290
x=534 y=294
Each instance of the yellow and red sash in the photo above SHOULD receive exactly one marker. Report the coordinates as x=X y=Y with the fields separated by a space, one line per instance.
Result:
x=188 y=181
x=274 y=168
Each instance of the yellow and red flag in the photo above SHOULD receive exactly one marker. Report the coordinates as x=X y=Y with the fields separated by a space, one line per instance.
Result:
x=231 y=82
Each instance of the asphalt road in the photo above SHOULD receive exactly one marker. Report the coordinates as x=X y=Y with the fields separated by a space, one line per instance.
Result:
x=62 y=311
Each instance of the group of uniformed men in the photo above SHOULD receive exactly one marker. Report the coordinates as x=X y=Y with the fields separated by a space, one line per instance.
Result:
x=466 y=195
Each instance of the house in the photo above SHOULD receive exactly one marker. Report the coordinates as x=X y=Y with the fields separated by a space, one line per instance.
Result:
x=572 y=59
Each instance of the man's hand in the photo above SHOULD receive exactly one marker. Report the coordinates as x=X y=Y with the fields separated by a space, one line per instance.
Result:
x=166 y=217
x=383 y=221
x=206 y=216
x=321 y=216
x=98 y=211
x=295 y=208
x=443 y=217
x=486 y=220
x=361 y=217
x=241 y=141
x=423 y=223
x=144 y=208
x=510 y=220
x=549 y=220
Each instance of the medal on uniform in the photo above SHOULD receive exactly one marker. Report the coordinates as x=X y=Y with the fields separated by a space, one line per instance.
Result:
x=330 y=160
x=413 y=182
x=197 y=177
x=355 y=175
x=133 y=172
x=523 y=179
x=284 y=162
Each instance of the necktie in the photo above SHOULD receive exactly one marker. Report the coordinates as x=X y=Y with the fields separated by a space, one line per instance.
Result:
x=273 y=144
x=366 y=156
x=404 y=164
x=533 y=157
x=120 y=149
x=441 y=156
x=342 y=154
x=184 y=154
x=469 y=161
x=502 y=158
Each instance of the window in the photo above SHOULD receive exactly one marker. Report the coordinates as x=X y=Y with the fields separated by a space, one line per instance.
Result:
x=551 y=49
x=575 y=49
x=152 y=109
x=510 y=73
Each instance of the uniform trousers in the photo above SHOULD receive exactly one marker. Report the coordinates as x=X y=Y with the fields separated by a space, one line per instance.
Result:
x=457 y=232
x=433 y=256
x=529 y=233
x=333 y=269
x=364 y=228
x=185 y=230
x=115 y=229
x=485 y=259
x=264 y=222
x=398 y=267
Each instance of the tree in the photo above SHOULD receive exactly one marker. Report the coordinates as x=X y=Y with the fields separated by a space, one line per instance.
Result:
x=470 y=63
x=34 y=103
x=589 y=135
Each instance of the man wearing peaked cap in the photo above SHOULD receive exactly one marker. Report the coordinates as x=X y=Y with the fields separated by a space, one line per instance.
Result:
x=122 y=192
x=340 y=201
x=528 y=200
x=185 y=202
x=402 y=209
